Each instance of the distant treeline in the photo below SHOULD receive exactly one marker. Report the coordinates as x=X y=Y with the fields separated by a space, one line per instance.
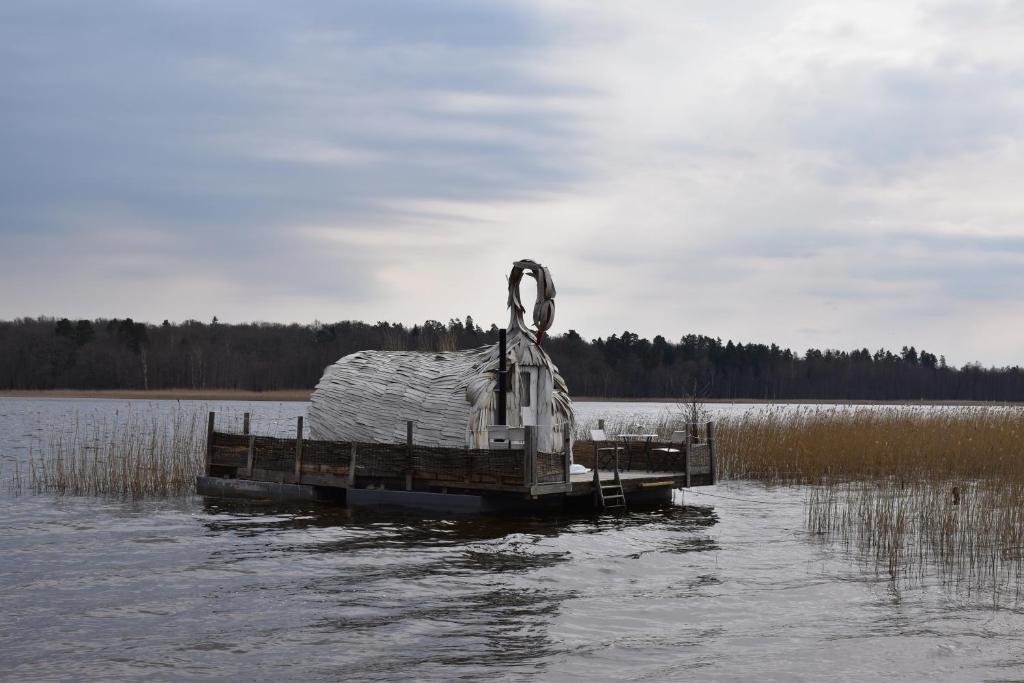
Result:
x=47 y=353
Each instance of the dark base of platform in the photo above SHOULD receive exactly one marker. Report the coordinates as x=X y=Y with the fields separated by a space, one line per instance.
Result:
x=459 y=503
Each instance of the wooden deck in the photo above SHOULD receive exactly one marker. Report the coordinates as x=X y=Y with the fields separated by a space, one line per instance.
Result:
x=644 y=471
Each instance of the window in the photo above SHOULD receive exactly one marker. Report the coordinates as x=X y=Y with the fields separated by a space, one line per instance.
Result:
x=524 y=389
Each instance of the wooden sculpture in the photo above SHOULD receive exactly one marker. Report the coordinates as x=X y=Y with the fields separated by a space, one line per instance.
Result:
x=369 y=396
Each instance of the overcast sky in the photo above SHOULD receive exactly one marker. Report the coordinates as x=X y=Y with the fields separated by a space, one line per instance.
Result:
x=814 y=174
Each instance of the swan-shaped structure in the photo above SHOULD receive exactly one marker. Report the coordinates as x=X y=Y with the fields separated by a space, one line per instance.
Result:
x=369 y=396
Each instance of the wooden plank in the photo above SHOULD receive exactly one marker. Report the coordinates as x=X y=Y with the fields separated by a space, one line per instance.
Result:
x=710 y=427
x=251 y=455
x=550 y=489
x=209 y=444
x=566 y=454
x=298 y=450
x=352 y=467
x=687 y=461
x=408 y=455
x=530 y=456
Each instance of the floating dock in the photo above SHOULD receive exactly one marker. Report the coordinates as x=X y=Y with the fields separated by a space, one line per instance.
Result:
x=516 y=478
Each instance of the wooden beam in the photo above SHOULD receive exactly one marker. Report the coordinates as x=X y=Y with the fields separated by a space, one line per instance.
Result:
x=408 y=455
x=245 y=423
x=711 y=449
x=688 y=461
x=209 y=444
x=566 y=452
x=352 y=467
x=530 y=455
x=250 y=459
x=298 y=451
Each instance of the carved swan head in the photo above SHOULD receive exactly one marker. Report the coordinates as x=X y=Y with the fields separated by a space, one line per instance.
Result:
x=543 y=309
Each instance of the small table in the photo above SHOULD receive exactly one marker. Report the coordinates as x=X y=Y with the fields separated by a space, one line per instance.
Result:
x=637 y=437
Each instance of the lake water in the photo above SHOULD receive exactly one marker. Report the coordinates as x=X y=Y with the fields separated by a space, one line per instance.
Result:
x=724 y=585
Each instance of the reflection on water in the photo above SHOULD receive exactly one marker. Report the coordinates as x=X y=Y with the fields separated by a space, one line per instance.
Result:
x=725 y=587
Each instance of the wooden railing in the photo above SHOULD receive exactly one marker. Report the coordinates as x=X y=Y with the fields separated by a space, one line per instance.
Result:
x=340 y=463
x=695 y=456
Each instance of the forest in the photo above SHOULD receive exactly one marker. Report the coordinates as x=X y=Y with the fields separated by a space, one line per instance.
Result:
x=51 y=353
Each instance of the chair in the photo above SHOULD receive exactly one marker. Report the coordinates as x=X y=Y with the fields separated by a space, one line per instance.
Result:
x=678 y=438
x=503 y=436
x=599 y=437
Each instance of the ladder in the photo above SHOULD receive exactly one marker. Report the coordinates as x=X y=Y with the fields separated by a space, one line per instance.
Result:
x=608 y=495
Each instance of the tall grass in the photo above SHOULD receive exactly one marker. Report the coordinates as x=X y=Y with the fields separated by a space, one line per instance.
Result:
x=970 y=533
x=132 y=456
x=840 y=444
x=912 y=491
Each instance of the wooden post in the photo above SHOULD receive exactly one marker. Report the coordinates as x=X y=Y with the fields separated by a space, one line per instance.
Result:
x=245 y=423
x=687 y=457
x=567 y=454
x=710 y=427
x=298 y=451
x=209 y=445
x=408 y=455
x=251 y=457
x=352 y=467
x=600 y=425
x=529 y=455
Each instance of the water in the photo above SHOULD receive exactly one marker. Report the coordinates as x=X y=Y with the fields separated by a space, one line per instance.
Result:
x=728 y=586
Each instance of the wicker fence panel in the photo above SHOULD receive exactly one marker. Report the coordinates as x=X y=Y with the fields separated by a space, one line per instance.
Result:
x=469 y=465
x=442 y=464
x=381 y=460
x=550 y=467
x=635 y=456
x=326 y=457
x=501 y=465
x=276 y=455
x=229 y=450
x=700 y=459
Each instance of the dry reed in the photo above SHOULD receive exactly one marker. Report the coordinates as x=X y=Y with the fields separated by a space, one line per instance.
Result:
x=839 y=444
x=913 y=491
x=131 y=456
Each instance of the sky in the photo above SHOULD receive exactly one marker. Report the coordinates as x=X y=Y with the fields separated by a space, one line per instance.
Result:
x=815 y=174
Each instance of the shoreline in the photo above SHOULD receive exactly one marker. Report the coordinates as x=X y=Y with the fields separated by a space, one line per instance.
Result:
x=800 y=401
x=167 y=394
x=304 y=395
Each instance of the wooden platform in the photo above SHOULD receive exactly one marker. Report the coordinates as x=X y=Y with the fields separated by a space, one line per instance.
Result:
x=248 y=465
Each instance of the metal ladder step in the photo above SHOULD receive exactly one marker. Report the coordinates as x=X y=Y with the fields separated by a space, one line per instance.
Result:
x=609 y=495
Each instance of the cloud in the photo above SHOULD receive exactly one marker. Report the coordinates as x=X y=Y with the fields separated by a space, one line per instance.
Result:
x=829 y=173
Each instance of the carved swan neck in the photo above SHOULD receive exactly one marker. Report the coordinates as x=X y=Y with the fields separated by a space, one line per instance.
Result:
x=543 y=309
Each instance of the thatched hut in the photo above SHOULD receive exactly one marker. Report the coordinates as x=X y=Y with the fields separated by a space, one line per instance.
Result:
x=450 y=396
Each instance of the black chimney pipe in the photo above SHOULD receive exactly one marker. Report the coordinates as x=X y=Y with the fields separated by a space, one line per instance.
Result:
x=502 y=376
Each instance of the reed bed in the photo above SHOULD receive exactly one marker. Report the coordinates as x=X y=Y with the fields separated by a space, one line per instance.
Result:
x=133 y=456
x=842 y=444
x=969 y=533
x=914 y=492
